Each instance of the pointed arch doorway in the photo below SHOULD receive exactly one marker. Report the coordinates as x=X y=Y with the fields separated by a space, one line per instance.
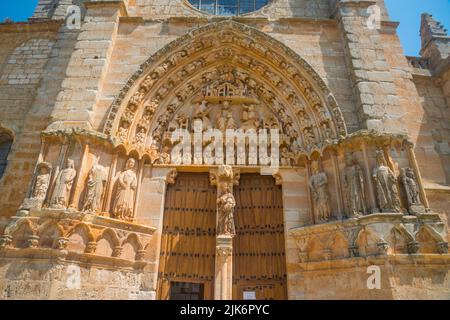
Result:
x=187 y=256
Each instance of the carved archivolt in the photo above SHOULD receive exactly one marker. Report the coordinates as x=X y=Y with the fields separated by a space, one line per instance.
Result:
x=225 y=61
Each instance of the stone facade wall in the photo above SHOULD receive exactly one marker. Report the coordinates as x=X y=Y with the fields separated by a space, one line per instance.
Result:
x=24 y=61
x=53 y=79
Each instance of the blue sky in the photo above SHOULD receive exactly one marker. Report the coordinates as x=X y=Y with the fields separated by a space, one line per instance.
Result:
x=407 y=12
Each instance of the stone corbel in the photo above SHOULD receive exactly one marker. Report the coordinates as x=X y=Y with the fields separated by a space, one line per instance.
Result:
x=278 y=178
x=171 y=176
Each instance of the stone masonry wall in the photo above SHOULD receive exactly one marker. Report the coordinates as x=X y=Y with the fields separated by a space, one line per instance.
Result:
x=24 y=57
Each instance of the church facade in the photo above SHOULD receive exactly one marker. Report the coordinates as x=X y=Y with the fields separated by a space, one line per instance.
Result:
x=210 y=149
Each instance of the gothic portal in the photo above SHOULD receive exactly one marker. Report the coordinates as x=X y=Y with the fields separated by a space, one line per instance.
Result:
x=251 y=149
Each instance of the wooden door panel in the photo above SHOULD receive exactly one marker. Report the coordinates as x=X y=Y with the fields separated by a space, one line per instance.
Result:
x=188 y=235
x=258 y=248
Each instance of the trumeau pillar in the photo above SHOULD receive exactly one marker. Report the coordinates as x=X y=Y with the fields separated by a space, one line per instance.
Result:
x=373 y=207
x=373 y=84
x=88 y=65
x=224 y=177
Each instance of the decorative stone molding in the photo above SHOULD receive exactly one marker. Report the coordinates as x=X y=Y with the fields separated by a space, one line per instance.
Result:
x=369 y=235
x=63 y=225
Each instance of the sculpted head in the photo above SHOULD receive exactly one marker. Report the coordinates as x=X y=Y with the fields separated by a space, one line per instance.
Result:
x=410 y=173
x=130 y=164
x=315 y=168
x=70 y=164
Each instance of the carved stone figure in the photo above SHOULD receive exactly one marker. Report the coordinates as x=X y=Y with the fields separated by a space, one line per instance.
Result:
x=225 y=119
x=225 y=208
x=123 y=202
x=310 y=138
x=249 y=118
x=164 y=157
x=140 y=137
x=319 y=189
x=201 y=112
x=94 y=192
x=412 y=191
x=122 y=132
x=63 y=186
x=386 y=185
x=271 y=123
x=411 y=186
x=354 y=187
x=41 y=182
x=286 y=156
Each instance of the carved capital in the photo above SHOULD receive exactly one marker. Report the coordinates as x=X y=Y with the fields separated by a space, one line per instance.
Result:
x=91 y=247
x=224 y=174
x=117 y=251
x=224 y=252
x=140 y=255
x=5 y=241
x=383 y=247
x=413 y=247
x=354 y=251
x=61 y=243
x=33 y=242
x=442 y=247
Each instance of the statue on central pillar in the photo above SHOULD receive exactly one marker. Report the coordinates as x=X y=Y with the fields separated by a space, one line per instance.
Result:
x=225 y=207
x=225 y=178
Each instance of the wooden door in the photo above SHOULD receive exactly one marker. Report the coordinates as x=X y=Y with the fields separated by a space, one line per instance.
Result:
x=259 y=262
x=188 y=235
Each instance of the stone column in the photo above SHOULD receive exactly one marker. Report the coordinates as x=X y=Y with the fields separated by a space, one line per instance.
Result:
x=373 y=207
x=110 y=183
x=415 y=167
x=78 y=184
x=310 y=200
x=338 y=185
x=139 y=185
x=224 y=178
